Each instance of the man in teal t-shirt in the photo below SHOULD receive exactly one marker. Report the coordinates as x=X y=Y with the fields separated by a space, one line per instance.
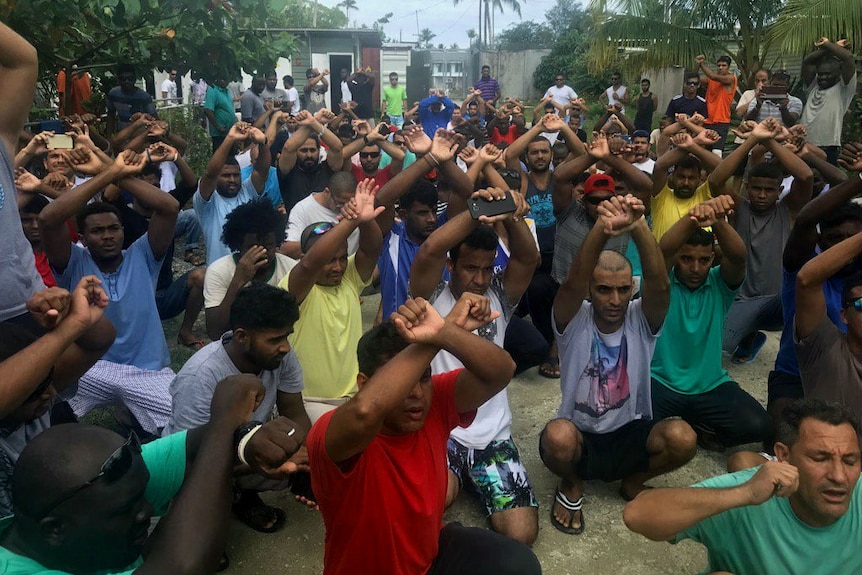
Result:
x=219 y=110
x=83 y=496
x=394 y=101
x=688 y=379
x=800 y=515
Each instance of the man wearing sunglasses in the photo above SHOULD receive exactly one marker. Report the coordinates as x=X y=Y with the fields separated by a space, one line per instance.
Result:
x=91 y=513
x=688 y=102
x=369 y=143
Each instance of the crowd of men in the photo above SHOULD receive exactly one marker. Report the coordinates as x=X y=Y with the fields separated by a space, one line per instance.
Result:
x=625 y=264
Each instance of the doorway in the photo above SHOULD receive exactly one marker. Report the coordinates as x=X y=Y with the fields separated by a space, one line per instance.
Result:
x=336 y=63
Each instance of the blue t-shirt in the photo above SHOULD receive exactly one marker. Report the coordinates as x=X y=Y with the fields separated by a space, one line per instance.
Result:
x=127 y=105
x=394 y=263
x=212 y=214
x=165 y=460
x=132 y=308
x=786 y=360
x=432 y=120
x=270 y=188
x=542 y=212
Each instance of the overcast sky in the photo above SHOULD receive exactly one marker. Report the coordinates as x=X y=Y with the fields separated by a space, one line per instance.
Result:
x=449 y=22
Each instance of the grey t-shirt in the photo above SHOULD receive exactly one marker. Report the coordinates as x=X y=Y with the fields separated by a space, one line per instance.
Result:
x=251 y=106
x=764 y=236
x=605 y=378
x=828 y=368
x=573 y=225
x=19 y=278
x=193 y=387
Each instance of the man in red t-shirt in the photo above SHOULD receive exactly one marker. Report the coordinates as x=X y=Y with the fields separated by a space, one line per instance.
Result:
x=378 y=463
x=370 y=143
x=720 y=90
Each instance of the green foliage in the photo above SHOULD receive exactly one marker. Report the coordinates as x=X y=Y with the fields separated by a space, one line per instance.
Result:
x=305 y=14
x=212 y=37
x=425 y=37
x=185 y=121
x=802 y=22
x=568 y=54
x=852 y=131
x=526 y=35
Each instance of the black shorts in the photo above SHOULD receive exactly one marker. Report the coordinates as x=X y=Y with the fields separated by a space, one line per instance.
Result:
x=782 y=385
x=615 y=455
x=171 y=302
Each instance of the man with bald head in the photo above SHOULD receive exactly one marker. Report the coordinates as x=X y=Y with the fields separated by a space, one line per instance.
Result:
x=84 y=496
x=604 y=428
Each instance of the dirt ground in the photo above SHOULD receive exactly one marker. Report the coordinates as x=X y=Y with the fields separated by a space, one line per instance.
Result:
x=606 y=547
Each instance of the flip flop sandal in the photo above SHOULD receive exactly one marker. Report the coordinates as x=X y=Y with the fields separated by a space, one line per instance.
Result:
x=554 y=371
x=255 y=516
x=747 y=355
x=571 y=507
x=195 y=344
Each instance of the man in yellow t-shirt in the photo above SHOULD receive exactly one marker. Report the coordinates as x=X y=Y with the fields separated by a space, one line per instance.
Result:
x=326 y=283
x=676 y=193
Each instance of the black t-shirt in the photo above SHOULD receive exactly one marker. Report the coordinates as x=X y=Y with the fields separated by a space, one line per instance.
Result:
x=362 y=96
x=135 y=225
x=298 y=184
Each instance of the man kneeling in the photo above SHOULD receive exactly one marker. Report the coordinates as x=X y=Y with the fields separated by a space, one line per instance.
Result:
x=604 y=428
x=378 y=462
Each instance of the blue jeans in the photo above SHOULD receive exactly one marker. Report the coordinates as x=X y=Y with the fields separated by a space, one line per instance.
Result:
x=189 y=226
x=396 y=121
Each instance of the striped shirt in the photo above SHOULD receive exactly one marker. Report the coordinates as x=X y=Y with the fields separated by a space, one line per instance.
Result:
x=489 y=88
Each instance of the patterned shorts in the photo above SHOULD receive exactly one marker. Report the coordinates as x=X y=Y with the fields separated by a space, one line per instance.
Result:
x=496 y=473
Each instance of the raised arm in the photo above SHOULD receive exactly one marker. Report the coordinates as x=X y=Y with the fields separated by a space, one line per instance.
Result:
x=810 y=301
x=512 y=154
x=656 y=284
x=728 y=166
x=524 y=255
x=487 y=370
x=702 y=215
x=237 y=133
x=803 y=177
x=430 y=260
x=77 y=334
x=660 y=514
x=260 y=172
x=726 y=79
x=19 y=68
x=370 y=238
x=803 y=236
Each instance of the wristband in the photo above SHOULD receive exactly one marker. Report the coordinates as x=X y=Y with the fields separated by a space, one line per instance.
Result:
x=434 y=160
x=249 y=431
x=322 y=130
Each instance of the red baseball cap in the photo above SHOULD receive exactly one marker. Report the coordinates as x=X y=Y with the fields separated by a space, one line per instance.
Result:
x=599 y=183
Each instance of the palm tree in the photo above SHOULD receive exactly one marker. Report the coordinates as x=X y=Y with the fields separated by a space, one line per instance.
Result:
x=660 y=33
x=492 y=6
x=347 y=5
x=425 y=37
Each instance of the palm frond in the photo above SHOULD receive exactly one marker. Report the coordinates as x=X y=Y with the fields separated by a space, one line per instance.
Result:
x=634 y=44
x=804 y=21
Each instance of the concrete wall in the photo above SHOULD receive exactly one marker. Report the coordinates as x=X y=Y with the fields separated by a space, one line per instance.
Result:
x=665 y=84
x=513 y=70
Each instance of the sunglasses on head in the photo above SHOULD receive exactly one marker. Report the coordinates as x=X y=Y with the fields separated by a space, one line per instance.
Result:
x=321 y=228
x=369 y=154
x=113 y=469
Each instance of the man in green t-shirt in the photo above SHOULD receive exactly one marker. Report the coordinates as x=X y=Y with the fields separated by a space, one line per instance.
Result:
x=799 y=515
x=688 y=379
x=84 y=496
x=394 y=101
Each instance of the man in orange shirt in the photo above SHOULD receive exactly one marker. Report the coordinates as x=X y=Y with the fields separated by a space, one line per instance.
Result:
x=81 y=91
x=720 y=89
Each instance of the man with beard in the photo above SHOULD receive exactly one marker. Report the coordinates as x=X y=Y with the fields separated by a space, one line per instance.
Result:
x=135 y=370
x=829 y=76
x=688 y=379
x=221 y=190
x=272 y=91
x=370 y=143
x=675 y=194
x=261 y=319
x=300 y=171
x=688 y=102
x=645 y=107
